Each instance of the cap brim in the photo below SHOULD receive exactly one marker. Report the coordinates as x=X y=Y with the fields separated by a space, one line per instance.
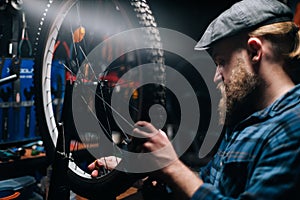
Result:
x=201 y=48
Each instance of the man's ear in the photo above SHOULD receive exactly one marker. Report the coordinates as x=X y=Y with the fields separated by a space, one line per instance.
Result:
x=255 y=49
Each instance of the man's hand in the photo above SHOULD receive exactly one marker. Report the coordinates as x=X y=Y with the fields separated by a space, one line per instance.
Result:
x=108 y=163
x=156 y=142
x=153 y=139
x=175 y=174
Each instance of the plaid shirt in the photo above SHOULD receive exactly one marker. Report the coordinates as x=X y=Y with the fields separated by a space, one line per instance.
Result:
x=260 y=157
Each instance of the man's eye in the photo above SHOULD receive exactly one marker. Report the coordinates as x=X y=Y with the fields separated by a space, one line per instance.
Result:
x=220 y=63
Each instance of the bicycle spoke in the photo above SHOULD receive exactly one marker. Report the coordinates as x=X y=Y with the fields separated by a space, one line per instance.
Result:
x=70 y=20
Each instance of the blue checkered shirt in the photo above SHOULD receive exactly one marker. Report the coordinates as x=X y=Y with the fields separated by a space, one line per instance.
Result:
x=260 y=157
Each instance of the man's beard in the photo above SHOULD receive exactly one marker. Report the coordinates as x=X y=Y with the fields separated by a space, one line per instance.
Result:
x=238 y=94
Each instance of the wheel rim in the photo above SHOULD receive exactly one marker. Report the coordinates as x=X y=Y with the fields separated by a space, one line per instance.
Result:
x=47 y=63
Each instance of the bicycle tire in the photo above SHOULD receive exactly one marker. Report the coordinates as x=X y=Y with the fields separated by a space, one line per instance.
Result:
x=80 y=181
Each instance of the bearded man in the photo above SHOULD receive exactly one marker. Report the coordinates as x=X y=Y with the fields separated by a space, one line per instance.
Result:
x=255 y=46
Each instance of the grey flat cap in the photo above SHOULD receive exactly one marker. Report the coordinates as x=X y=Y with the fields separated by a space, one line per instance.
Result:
x=244 y=15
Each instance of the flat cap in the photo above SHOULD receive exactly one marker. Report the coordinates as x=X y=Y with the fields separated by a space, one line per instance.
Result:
x=244 y=15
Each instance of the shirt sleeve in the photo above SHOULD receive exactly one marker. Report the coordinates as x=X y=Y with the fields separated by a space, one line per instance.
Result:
x=206 y=191
x=276 y=174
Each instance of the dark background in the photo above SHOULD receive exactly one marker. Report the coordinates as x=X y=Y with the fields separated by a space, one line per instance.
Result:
x=189 y=17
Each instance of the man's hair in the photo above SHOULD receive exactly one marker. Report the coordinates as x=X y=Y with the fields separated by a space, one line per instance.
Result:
x=285 y=39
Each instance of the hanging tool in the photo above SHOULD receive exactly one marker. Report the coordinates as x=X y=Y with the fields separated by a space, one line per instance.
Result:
x=13 y=46
x=4 y=95
x=28 y=93
x=24 y=37
x=15 y=69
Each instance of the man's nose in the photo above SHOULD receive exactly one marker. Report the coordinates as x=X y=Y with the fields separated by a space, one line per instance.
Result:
x=218 y=76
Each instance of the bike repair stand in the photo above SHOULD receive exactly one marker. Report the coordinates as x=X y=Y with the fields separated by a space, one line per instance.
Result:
x=59 y=188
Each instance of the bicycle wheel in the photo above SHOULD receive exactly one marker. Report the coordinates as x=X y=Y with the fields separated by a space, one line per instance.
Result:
x=68 y=35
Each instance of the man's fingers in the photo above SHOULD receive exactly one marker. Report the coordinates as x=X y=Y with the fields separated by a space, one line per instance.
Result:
x=163 y=133
x=146 y=126
x=141 y=123
x=109 y=162
x=94 y=173
x=91 y=166
x=95 y=165
x=144 y=130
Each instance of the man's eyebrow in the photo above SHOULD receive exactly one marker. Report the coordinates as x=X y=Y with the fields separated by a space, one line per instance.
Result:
x=212 y=52
x=215 y=56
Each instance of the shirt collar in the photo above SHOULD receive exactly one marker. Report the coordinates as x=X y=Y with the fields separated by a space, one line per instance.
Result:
x=286 y=101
